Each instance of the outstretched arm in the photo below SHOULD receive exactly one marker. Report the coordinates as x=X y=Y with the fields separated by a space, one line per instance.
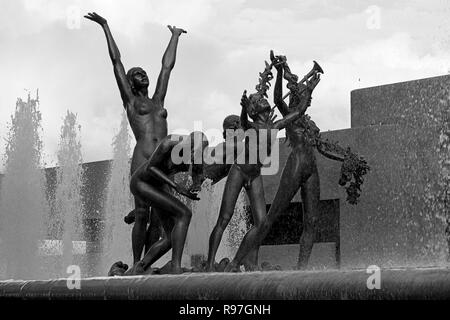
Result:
x=245 y=124
x=291 y=117
x=119 y=70
x=161 y=176
x=278 y=94
x=161 y=154
x=168 y=62
x=302 y=106
x=278 y=90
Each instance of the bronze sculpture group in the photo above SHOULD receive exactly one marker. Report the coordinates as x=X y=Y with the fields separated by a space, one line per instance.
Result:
x=165 y=226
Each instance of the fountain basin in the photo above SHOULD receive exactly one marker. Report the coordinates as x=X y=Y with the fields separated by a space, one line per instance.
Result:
x=430 y=283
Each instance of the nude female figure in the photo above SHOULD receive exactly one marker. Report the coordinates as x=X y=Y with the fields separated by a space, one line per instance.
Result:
x=248 y=174
x=147 y=117
x=300 y=171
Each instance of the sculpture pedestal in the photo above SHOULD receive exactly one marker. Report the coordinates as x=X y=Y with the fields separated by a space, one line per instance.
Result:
x=395 y=284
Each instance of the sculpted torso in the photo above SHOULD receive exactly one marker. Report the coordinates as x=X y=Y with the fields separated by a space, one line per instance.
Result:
x=146 y=115
x=148 y=121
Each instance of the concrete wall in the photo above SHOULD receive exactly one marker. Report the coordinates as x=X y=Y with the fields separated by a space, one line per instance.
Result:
x=396 y=222
x=411 y=103
x=410 y=179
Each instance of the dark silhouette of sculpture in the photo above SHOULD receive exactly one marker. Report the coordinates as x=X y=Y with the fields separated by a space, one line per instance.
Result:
x=148 y=121
x=117 y=269
x=151 y=182
x=300 y=170
x=247 y=174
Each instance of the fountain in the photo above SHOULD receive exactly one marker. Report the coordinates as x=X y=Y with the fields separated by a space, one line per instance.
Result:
x=22 y=199
x=204 y=217
x=116 y=239
x=239 y=223
x=68 y=206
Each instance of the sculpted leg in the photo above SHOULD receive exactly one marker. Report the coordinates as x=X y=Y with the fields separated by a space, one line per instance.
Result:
x=162 y=245
x=258 y=205
x=140 y=215
x=178 y=237
x=155 y=230
x=310 y=198
x=231 y=192
x=289 y=185
x=169 y=209
x=139 y=229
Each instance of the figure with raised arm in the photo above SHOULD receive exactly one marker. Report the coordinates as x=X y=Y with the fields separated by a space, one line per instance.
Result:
x=300 y=170
x=148 y=120
x=246 y=171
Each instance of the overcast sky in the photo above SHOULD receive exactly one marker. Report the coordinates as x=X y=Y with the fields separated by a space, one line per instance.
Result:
x=358 y=44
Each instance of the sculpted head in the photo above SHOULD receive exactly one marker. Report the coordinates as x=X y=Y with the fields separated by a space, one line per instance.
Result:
x=138 y=79
x=230 y=124
x=259 y=107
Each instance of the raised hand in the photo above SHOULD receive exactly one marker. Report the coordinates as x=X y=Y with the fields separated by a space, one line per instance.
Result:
x=277 y=61
x=176 y=31
x=245 y=102
x=272 y=115
x=272 y=57
x=96 y=18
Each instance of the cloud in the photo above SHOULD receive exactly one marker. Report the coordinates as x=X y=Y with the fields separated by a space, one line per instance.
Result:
x=222 y=54
x=370 y=64
x=128 y=16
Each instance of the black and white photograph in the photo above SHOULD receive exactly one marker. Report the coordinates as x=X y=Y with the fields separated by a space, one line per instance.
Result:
x=223 y=159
